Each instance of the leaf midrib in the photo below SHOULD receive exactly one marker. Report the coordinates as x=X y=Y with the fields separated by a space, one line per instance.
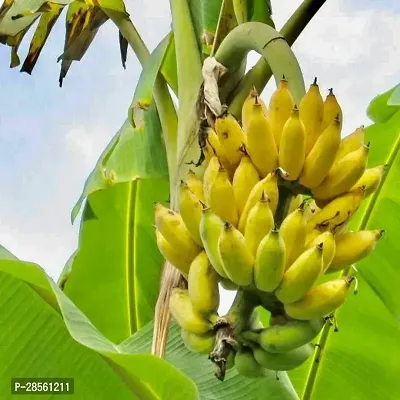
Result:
x=130 y=257
x=313 y=372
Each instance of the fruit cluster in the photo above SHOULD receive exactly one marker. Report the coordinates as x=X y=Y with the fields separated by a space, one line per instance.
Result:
x=269 y=218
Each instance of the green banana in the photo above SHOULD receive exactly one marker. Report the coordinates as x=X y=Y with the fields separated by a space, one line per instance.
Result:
x=246 y=364
x=198 y=343
x=270 y=262
x=283 y=361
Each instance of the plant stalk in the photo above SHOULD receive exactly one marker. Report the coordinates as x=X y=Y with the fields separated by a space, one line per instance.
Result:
x=261 y=73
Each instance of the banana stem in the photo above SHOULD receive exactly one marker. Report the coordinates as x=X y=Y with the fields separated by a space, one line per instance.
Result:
x=285 y=197
x=229 y=327
x=271 y=45
x=261 y=73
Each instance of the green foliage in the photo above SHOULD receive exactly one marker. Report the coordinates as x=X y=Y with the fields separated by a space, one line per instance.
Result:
x=45 y=335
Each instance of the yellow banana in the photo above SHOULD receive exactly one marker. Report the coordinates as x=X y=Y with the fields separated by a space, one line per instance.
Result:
x=268 y=185
x=280 y=107
x=292 y=147
x=172 y=227
x=350 y=143
x=260 y=141
x=222 y=198
x=195 y=185
x=321 y=300
x=214 y=148
x=198 y=343
x=211 y=227
x=270 y=262
x=236 y=258
x=246 y=365
x=191 y=211
x=210 y=173
x=332 y=109
x=296 y=201
x=287 y=336
x=283 y=361
x=244 y=179
x=343 y=175
x=172 y=254
x=310 y=208
x=248 y=106
x=203 y=285
x=293 y=233
x=329 y=247
x=352 y=247
x=371 y=179
x=259 y=222
x=311 y=109
x=337 y=212
x=184 y=314
x=301 y=275
x=231 y=137
x=321 y=157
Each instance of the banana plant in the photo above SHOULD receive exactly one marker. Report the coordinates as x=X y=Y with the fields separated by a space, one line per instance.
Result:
x=106 y=321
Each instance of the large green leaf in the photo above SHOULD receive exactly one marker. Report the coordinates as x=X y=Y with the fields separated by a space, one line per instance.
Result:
x=115 y=274
x=384 y=105
x=45 y=335
x=361 y=360
x=199 y=368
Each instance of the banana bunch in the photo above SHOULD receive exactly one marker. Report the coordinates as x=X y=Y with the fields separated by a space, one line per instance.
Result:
x=269 y=217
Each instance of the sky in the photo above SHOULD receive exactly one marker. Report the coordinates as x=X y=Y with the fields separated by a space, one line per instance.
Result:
x=50 y=138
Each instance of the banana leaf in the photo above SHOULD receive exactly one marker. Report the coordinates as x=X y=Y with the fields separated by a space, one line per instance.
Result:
x=45 y=335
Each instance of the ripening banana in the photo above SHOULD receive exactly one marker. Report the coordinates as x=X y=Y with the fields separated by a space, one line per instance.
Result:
x=203 y=285
x=268 y=185
x=332 y=109
x=195 y=185
x=228 y=284
x=287 y=336
x=337 y=212
x=248 y=106
x=301 y=275
x=172 y=227
x=329 y=247
x=260 y=141
x=270 y=262
x=211 y=227
x=354 y=246
x=371 y=179
x=343 y=175
x=293 y=233
x=296 y=201
x=280 y=107
x=236 y=258
x=222 y=198
x=311 y=109
x=350 y=143
x=191 y=211
x=244 y=179
x=210 y=173
x=173 y=254
x=321 y=300
x=198 y=343
x=259 y=222
x=184 y=314
x=321 y=157
x=283 y=361
x=231 y=137
x=292 y=147
x=214 y=148
x=246 y=365
x=310 y=208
